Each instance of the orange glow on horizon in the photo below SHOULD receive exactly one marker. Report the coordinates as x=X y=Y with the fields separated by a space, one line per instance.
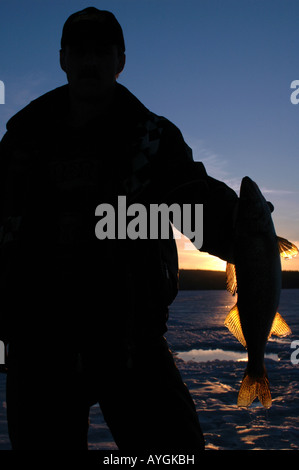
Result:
x=191 y=258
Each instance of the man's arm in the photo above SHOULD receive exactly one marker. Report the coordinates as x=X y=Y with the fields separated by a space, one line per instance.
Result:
x=184 y=181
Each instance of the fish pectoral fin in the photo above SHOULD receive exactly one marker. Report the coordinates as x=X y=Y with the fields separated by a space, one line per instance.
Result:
x=286 y=249
x=279 y=327
x=252 y=387
x=233 y=323
x=231 y=278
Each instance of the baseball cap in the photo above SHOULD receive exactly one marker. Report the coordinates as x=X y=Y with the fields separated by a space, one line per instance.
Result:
x=92 y=24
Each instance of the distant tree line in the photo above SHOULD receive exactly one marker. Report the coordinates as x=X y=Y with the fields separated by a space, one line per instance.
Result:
x=200 y=279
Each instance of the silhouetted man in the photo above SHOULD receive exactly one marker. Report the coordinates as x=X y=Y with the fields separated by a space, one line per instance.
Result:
x=85 y=317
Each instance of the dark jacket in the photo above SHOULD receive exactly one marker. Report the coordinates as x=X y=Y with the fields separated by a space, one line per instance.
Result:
x=69 y=283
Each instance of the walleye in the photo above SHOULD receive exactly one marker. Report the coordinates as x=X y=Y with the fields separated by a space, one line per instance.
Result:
x=256 y=277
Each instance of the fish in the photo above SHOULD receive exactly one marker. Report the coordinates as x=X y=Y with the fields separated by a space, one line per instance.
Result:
x=255 y=275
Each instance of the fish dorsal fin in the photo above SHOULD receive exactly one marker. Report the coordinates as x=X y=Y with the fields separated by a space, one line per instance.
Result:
x=279 y=327
x=233 y=323
x=231 y=278
x=286 y=249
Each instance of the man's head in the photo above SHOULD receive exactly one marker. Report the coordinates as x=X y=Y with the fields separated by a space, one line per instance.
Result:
x=92 y=52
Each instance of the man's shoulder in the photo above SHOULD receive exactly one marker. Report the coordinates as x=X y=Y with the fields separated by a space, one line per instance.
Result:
x=134 y=105
x=39 y=109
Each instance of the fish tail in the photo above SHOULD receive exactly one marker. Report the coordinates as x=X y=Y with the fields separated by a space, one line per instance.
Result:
x=252 y=387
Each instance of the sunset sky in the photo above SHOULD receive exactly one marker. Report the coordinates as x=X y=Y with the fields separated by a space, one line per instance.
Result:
x=221 y=70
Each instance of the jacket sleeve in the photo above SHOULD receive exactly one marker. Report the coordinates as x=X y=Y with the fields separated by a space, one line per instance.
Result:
x=5 y=239
x=4 y=163
x=184 y=181
x=14 y=168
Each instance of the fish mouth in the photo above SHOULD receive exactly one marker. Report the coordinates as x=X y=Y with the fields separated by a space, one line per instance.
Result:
x=254 y=211
x=249 y=189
